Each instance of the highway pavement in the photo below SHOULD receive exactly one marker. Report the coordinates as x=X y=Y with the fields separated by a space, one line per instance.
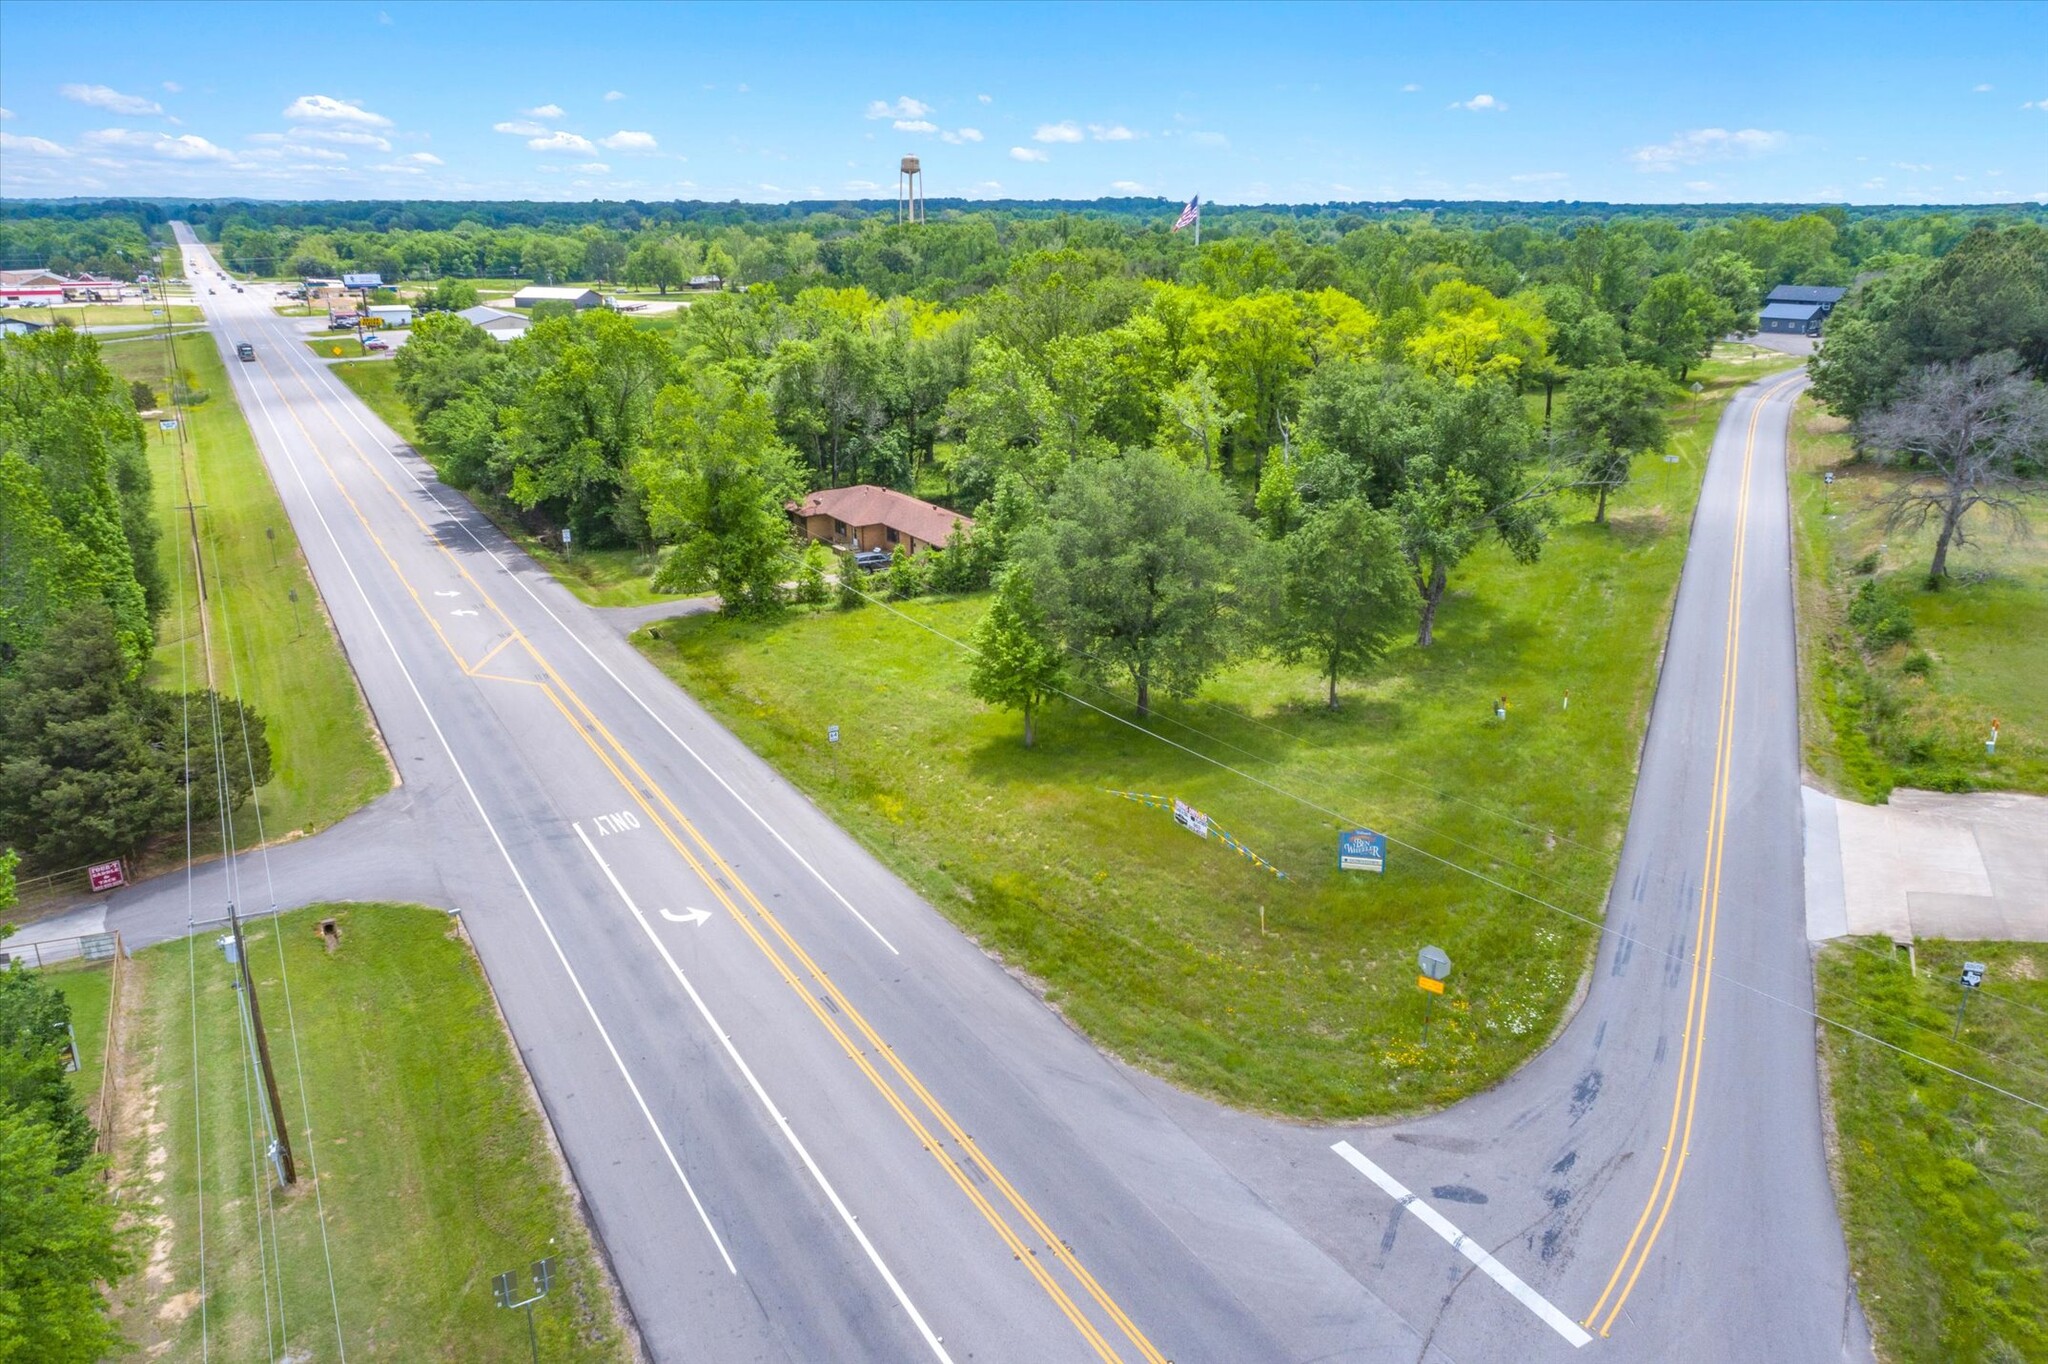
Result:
x=812 y=1121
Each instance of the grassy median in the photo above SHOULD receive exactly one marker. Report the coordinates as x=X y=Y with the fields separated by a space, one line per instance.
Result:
x=1944 y=1183
x=435 y=1171
x=1294 y=996
x=1900 y=683
x=86 y=316
x=280 y=656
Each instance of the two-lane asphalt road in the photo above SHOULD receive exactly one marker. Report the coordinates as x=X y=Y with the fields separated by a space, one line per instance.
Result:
x=813 y=1122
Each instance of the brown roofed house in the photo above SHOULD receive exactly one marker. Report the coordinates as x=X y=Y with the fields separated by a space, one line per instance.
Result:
x=868 y=517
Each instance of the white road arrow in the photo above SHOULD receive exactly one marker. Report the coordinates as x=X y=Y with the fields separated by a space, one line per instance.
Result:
x=464 y=612
x=447 y=594
x=692 y=916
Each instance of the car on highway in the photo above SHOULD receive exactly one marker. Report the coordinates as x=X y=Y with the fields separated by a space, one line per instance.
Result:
x=245 y=351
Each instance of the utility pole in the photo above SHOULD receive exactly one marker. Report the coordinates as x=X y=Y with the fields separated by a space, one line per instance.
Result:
x=287 y=1168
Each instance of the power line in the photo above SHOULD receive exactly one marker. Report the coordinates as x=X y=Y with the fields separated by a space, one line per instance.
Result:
x=1589 y=921
x=284 y=972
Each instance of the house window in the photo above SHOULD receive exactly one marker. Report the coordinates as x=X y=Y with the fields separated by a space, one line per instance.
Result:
x=892 y=537
x=839 y=528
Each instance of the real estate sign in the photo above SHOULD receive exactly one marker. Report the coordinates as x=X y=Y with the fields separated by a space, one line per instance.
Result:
x=1361 y=850
x=106 y=875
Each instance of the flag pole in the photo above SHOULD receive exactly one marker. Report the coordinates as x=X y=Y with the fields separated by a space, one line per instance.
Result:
x=1198 y=224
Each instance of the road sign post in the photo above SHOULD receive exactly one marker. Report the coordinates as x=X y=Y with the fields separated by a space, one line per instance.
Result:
x=1435 y=965
x=1971 y=980
x=505 y=1291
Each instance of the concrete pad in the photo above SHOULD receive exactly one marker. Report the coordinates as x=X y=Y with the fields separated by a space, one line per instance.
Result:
x=1932 y=865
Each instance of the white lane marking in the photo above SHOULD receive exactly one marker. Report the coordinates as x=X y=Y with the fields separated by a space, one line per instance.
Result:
x=477 y=801
x=462 y=611
x=1492 y=1268
x=439 y=593
x=693 y=915
x=326 y=377
x=852 y=1225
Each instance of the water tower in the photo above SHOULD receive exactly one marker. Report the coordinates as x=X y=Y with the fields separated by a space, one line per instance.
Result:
x=910 y=191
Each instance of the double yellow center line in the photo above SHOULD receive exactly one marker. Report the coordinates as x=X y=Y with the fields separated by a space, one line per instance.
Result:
x=1692 y=1052
x=965 y=1163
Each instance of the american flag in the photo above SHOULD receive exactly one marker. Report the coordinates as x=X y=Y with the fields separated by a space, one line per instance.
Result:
x=1191 y=215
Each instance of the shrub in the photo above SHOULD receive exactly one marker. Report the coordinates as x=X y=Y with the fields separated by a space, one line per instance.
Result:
x=142 y=395
x=811 y=589
x=852 y=591
x=1917 y=664
x=1868 y=564
x=907 y=577
x=1879 y=616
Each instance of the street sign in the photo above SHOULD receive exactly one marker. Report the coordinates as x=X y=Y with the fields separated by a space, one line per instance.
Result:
x=1973 y=974
x=167 y=423
x=1433 y=962
x=106 y=875
x=568 y=536
x=1191 y=819
x=1361 y=850
x=1828 y=478
x=832 y=734
x=501 y=1288
x=1435 y=987
x=544 y=1275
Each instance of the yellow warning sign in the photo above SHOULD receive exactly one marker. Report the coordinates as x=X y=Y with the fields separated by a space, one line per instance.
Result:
x=1435 y=987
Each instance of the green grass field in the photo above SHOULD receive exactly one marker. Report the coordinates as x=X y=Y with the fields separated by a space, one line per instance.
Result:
x=283 y=659
x=1944 y=1184
x=1152 y=941
x=434 y=1168
x=87 y=316
x=600 y=577
x=87 y=988
x=1915 y=712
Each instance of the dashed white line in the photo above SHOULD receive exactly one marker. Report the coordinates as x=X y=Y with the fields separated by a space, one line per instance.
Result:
x=1464 y=1245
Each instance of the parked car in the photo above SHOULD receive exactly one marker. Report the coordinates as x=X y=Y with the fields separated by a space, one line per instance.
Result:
x=376 y=343
x=872 y=560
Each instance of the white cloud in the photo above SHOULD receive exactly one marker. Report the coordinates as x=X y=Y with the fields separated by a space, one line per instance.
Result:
x=1128 y=187
x=986 y=99
x=612 y=95
x=113 y=101
x=5 y=114
x=519 y=127
x=1480 y=104
x=1701 y=186
x=2036 y=104
x=961 y=135
x=172 y=87
x=1980 y=89
x=1874 y=182
x=594 y=168
x=1911 y=166
x=1028 y=154
x=905 y=107
x=1209 y=140
x=393 y=168
x=990 y=185
x=624 y=141
x=185 y=147
x=1539 y=177
x=327 y=109
x=1410 y=88
x=1066 y=131
x=1110 y=132
x=915 y=125
x=384 y=18
x=860 y=186
x=347 y=137
x=1706 y=144
x=562 y=142
x=423 y=158
x=544 y=111
x=30 y=146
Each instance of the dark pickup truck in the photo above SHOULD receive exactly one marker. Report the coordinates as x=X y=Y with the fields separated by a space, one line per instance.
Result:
x=245 y=351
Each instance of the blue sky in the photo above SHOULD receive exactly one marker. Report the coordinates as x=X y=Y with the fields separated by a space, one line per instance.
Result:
x=1639 y=103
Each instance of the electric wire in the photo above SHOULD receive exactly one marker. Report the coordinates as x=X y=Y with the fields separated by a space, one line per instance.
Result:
x=284 y=972
x=1478 y=875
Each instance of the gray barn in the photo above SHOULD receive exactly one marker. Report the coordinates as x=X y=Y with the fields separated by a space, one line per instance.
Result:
x=1798 y=319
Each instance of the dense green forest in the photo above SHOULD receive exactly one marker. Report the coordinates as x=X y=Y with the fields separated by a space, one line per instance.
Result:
x=93 y=762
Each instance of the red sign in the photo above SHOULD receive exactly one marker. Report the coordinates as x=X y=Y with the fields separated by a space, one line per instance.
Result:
x=107 y=875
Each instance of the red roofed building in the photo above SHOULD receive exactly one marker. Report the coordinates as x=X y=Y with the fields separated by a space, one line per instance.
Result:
x=868 y=517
